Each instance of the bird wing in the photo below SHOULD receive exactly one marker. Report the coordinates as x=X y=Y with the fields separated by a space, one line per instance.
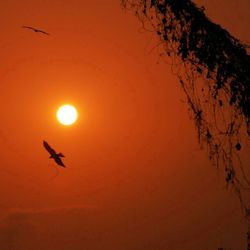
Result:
x=48 y=148
x=36 y=30
x=59 y=161
x=41 y=31
x=28 y=27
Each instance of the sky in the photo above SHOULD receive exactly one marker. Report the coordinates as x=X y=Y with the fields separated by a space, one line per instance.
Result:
x=135 y=176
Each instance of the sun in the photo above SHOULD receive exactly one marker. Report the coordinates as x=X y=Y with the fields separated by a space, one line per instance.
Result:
x=67 y=114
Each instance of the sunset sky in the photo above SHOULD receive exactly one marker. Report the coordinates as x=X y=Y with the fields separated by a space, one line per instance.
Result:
x=135 y=176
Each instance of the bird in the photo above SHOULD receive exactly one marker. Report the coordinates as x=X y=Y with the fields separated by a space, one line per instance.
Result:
x=35 y=30
x=53 y=154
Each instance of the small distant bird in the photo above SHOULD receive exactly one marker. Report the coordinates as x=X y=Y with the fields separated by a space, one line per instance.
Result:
x=35 y=30
x=53 y=154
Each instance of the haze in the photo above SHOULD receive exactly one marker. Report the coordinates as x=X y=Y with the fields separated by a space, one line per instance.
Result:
x=136 y=177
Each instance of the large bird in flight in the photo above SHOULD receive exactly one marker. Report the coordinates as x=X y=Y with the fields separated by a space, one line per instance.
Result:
x=35 y=30
x=53 y=154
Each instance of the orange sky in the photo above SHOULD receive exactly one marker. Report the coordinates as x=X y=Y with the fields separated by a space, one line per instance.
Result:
x=135 y=176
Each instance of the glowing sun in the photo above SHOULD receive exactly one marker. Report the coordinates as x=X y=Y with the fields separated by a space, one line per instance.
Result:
x=67 y=114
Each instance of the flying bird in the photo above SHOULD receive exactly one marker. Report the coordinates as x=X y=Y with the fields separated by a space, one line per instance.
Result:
x=35 y=30
x=53 y=154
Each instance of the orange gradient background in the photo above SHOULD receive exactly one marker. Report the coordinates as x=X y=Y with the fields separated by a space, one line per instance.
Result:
x=135 y=176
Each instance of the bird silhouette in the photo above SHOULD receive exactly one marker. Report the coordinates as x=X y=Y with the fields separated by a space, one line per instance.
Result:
x=53 y=154
x=35 y=30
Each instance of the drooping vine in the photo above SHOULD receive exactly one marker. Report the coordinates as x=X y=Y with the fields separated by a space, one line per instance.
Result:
x=213 y=68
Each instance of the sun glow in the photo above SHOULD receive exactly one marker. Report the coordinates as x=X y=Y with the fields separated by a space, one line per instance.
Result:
x=67 y=114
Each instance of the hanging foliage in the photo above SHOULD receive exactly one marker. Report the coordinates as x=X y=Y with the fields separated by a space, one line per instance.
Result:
x=213 y=68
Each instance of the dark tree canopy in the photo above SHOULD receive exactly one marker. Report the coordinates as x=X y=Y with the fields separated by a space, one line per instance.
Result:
x=213 y=68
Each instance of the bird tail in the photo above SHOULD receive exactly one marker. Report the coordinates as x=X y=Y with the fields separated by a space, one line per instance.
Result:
x=60 y=155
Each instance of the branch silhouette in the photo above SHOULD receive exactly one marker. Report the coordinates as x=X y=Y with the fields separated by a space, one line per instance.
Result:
x=213 y=68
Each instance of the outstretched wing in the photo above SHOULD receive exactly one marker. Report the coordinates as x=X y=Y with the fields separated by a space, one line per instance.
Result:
x=28 y=27
x=53 y=154
x=48 y=148
x=36 y=30
x=41 y=31
x=59 y=161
